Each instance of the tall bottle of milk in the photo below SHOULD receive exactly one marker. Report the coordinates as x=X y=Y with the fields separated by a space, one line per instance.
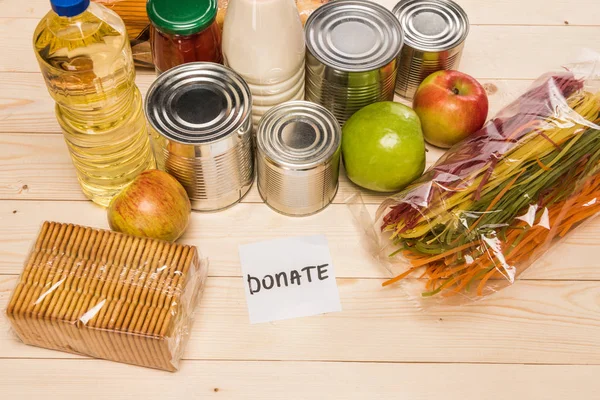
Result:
x=263 y=41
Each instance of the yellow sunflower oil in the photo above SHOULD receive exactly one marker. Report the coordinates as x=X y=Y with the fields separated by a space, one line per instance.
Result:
x=85 y=58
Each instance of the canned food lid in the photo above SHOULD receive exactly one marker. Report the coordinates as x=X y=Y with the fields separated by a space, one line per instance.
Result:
x=353 y=35
x=298 y=135
x=184 y=18
x=198 y=103
x=432 y=25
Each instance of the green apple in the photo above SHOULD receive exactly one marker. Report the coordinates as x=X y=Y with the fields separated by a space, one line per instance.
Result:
x=383 y=147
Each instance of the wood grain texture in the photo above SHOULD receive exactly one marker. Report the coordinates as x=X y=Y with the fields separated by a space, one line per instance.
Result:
x=33 y=167
x=38 y=167
x=380 y=346
x=26 y=106
x=531 y=322
x=497 y=12
x=218 y=236
x=298 y=380
x=499 y=52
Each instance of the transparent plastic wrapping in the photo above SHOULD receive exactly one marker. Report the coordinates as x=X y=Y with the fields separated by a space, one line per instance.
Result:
x=108 y=295
x=133 y=13
x=494 y=203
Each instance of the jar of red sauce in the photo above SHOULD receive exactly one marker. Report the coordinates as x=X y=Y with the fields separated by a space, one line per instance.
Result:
x=183 y=31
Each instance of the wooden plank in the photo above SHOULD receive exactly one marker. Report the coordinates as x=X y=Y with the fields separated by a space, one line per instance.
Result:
x=502 y=12
x=532 y=322
x=42 y=165
x=48 y=379
x=38 y=167
x=218 y=236
x=500 y=52
x=26 y=106
x=530 y=12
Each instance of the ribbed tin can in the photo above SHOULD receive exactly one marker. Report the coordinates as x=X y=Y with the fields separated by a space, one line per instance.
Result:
x=434 y=37
x=298 y=157
x=351 y=59
x=201 y=126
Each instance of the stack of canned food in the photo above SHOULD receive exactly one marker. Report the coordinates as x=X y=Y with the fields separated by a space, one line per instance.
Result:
x=357 y=53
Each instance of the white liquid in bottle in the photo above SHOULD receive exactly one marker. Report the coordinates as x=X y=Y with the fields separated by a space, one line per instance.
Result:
x=263 y=41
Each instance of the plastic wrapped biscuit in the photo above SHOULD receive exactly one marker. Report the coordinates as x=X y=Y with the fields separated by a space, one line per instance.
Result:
x=108 y=295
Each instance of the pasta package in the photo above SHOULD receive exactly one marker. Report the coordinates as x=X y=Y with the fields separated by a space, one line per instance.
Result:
x=108 y=295
x=495 y=202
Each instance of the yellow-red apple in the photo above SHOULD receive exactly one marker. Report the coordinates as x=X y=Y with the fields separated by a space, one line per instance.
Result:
x=451 y=105
x=153 y=205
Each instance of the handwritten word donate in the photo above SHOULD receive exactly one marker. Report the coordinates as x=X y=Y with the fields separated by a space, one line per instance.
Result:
x=289 y=278
x=285 y=278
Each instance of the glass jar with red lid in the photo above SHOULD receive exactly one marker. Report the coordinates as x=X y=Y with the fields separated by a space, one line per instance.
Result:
x=183 y=31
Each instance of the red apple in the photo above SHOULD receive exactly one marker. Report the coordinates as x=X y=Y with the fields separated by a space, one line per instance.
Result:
x=451 y=106
x=153 y=205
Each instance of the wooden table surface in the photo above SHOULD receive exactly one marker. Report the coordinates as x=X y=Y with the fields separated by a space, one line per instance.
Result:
x=539 y=339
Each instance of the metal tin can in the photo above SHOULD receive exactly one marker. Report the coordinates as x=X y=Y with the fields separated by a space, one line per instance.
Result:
x=351 y=59
x=201 y=126
x=434 y=36
x=298 y=157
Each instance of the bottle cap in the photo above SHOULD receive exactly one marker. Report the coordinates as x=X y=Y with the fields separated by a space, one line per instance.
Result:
x=69 y=8
x=186 y=18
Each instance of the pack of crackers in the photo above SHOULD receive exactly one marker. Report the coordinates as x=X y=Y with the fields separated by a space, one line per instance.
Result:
x=108 y=295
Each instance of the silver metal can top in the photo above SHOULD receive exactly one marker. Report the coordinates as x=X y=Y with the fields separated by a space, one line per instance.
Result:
x=353 y=35
x=298 y=135
x=198 y=103
x=432 y=25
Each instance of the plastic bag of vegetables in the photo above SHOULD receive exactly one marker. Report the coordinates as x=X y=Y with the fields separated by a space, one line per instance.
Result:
x=496 y=201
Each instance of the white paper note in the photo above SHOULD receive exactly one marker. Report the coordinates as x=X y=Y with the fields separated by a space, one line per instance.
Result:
x=289 y=278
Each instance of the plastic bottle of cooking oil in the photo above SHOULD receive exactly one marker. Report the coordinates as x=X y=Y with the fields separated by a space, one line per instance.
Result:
x=86 y=61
